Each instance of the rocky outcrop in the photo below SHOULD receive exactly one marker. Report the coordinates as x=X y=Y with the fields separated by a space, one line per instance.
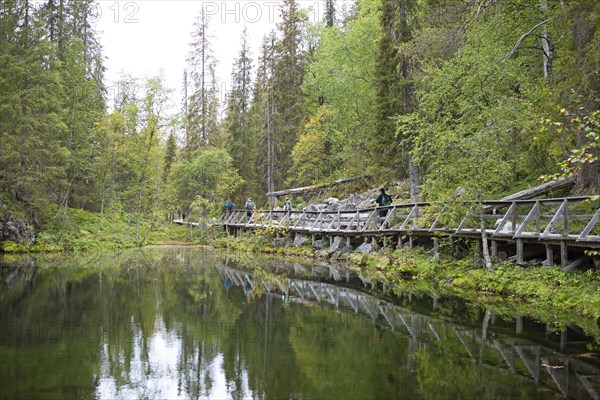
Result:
x=354 y=202
x=16 y=229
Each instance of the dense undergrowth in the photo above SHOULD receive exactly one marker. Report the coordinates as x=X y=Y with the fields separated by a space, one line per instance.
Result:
x=78 y=230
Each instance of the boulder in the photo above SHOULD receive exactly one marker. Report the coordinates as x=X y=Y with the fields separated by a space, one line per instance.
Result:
x=18 y=230
x=300 y=239
x=320 y=244
x=336 y=244
x=365 y=248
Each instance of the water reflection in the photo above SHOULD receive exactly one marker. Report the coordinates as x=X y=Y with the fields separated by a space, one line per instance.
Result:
x=188 y=323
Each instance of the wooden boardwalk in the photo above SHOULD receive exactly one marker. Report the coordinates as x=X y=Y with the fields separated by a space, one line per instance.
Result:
x=555 y=224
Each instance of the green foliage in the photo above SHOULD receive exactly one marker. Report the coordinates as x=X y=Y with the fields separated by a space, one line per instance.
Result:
x=209 y=176
x=312 y=153
x=340 y=80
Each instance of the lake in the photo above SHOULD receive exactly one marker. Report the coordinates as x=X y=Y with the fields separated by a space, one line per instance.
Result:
x=184 y=322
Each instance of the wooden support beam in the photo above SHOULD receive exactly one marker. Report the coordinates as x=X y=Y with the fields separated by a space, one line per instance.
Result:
x=520 y=259
x=564 y=255
x=436 y=249
x=550 y=228
x=509 y=215
x=549 y=262
x=586 y=231
x=575 y=263
x=533 y=213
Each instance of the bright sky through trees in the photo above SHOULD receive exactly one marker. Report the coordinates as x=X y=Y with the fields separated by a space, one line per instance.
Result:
x=145 y=37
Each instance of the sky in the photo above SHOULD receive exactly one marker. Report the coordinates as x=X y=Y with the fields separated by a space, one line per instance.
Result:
x=150 y=37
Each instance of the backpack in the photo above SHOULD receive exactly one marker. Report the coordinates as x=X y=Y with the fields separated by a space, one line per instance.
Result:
x=387 y=200
x=250 y=205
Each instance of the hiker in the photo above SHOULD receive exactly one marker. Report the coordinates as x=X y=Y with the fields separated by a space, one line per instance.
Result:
x=287 y=206
x=383 y=200
x=229 y=206
x=249 y=207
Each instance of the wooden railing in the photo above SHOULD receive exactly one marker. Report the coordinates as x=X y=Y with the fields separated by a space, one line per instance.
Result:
x=545 y=220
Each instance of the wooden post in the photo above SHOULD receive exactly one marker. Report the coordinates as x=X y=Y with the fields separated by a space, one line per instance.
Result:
x=563 y=338
x=399 y=246
x=564 y=256
x=519 y=251
x=549 y=262
x=348 y=241
x=436 y=249
x=519 y=325
x=385 y=241
x=410 y=242
x=494 y=248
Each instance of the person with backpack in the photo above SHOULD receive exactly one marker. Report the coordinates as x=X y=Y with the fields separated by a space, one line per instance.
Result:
x=229 y=206
x=383 y=200
x=287 y=206
x=249 y=207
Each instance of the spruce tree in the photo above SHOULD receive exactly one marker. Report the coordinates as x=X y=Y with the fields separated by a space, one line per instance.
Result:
x=394 y=84
x=242 y=145
x=202 y=104
x=288 y=75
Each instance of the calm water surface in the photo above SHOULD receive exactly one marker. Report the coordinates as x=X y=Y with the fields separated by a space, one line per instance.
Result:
x=179 y=323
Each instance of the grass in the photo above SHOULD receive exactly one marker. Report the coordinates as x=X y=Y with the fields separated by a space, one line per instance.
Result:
x=77 y=230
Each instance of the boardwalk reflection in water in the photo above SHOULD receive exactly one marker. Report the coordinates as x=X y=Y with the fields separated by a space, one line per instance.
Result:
x=192 y=323
x=569 y=376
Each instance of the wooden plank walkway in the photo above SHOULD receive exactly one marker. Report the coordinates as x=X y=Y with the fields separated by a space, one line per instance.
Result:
x=547 y=221
x=558 y=224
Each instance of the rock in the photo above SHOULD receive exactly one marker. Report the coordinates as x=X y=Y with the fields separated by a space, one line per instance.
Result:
x=331 y=200
x=320 y=244
x=336 y=244
x=322 y=254
x=17 y=230
x=300 y=239
x=365 y=248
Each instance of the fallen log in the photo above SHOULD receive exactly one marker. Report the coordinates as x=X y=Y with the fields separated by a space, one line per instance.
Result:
x=542 y=189
x=312 y=188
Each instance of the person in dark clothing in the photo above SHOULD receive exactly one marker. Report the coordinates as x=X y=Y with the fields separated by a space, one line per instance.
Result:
x=383 y=200
x=229 y=206
x=249 y=207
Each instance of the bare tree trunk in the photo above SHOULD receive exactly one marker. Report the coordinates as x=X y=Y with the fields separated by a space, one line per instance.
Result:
x=139 y=208
x=484 y=242
x=547 y=51
x=413 y=177
x=102 y=204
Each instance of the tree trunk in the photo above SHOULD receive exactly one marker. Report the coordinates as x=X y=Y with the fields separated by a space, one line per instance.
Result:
x=588 y=178
x=484 y=243
x=413 y=174
x=547 y=51
x=102 y=204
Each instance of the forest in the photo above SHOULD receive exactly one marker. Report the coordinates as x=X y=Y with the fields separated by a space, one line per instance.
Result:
x=490 y=96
